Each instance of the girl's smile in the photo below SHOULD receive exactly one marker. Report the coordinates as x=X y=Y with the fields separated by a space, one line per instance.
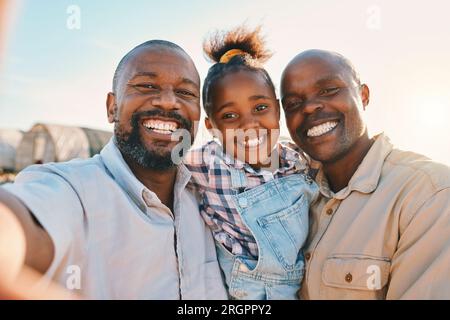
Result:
x=246 y=113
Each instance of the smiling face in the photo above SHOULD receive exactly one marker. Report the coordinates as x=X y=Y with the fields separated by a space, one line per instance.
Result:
x=157 y=94
x=246 y=113
x=322 y=100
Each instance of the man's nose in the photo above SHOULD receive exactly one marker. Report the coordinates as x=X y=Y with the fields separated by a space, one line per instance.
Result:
x=166 y=100
x=311 y=107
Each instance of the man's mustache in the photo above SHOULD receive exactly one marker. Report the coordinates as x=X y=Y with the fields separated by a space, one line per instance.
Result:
x=184 y=123
x=322 y=116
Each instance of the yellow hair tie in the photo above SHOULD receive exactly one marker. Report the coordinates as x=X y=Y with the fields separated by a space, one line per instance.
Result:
x=226 y=57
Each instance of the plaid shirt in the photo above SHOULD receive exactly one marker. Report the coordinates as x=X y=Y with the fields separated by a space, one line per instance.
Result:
x=211 y=177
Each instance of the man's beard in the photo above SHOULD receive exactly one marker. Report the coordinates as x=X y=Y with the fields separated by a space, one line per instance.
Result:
x=131 y=145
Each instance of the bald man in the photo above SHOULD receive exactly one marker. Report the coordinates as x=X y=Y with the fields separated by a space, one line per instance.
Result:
x=121 y=225
x=381 y=227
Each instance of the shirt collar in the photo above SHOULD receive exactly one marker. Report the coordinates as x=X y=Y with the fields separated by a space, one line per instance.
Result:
x=366 y=177
x=139 y=194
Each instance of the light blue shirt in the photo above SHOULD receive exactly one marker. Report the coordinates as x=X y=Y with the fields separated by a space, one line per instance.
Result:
x=116 y=236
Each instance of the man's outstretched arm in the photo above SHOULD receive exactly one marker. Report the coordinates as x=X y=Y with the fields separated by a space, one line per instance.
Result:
x=33 y=244
x=26 y=251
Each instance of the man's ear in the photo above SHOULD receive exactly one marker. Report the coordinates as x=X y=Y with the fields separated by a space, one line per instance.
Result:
x=365 y=95
x=111 y=107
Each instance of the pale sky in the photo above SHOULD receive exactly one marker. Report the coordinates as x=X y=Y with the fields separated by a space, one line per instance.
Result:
x=58 y=74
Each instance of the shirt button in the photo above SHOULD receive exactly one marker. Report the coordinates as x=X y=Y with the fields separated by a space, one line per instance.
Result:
x=308 y=256
x=348 y=277
x=329 y=212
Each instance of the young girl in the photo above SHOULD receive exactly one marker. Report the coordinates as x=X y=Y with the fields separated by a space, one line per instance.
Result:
x=255 y=192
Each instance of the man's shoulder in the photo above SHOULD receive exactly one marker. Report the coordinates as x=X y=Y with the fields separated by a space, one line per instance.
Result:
x=419 y=168
x=72 y=170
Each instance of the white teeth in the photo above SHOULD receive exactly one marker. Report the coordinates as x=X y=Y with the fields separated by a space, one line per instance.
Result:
x=163 y=127
x=161 y=131
x=321 y=129
x=254 y=142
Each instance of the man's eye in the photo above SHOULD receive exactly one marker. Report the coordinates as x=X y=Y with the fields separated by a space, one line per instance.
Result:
x=292 y=105
x=329 y=91
x=186 y=93
x=261 y=107
x=145 y=86
x=229 y=115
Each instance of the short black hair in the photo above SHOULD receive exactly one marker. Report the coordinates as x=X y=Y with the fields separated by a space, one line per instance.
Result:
x=150 y=43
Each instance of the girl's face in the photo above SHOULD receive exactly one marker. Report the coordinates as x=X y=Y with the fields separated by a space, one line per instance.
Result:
x=245 y=116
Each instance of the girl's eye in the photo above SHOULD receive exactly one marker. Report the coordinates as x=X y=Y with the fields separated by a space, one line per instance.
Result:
x=261 y=107
x=229 y=115
x=329 y=91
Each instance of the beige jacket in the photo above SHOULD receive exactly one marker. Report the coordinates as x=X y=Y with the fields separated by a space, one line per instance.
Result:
x=386 y=235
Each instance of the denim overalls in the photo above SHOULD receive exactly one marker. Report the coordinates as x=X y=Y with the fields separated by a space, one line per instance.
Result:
x=276 y=213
